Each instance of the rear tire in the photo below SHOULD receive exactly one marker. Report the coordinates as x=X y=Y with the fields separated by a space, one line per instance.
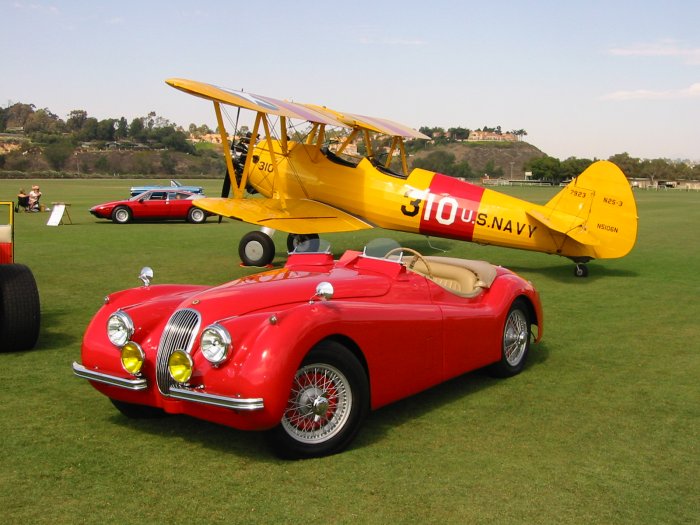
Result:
x=196 y=215
x=515 y=342
x=20 y=310
x=328 y=402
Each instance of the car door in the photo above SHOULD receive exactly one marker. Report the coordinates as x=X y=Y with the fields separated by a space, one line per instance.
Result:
x=179 y=204
x=152 y=205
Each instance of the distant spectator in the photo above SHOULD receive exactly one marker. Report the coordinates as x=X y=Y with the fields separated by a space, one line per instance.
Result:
x=22 y=201
x=34 y=197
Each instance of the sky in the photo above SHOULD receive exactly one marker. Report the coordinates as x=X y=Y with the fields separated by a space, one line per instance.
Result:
x=584 y=79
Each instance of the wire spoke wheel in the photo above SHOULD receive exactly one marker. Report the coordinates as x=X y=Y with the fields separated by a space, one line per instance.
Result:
x=327 y=404
x=515 y=343
x=515 y=337
x=319 y=404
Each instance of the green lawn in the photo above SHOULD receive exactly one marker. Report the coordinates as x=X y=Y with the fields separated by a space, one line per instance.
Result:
x=601 y=427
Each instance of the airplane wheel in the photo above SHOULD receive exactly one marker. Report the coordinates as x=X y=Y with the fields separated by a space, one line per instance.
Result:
x=581 y=270
x=256 y=249
x=295 y=239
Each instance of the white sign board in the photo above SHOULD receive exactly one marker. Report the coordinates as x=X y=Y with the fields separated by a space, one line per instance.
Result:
x=56 y=215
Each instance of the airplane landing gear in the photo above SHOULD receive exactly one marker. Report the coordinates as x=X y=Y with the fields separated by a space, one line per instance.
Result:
x=581 y=270
x=256 y=249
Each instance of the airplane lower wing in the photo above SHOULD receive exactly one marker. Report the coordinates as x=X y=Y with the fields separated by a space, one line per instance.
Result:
x=300 y=216
x=575 y=230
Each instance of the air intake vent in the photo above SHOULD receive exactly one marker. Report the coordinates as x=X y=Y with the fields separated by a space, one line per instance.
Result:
x=179 y=334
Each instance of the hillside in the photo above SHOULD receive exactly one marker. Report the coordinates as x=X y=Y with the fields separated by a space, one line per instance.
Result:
x=480 y=154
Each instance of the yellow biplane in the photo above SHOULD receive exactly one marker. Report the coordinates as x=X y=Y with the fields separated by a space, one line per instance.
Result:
x=307 y=188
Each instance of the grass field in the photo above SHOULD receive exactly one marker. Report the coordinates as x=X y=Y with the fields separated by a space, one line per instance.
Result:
x=601 y=427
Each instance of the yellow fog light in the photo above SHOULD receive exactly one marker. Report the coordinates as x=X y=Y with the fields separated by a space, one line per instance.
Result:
x=180 y=366
x=132 y=357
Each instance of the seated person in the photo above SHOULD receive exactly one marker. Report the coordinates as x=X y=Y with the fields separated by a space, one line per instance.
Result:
x=22 y=201
x=34 y=197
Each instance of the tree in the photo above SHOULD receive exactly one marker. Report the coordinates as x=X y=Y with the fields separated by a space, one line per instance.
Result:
x=76 y=120
x=58 y=153
x=572 y=167
x=545 y=168
x=122 y=130
x=440 y=161
x=137 y=131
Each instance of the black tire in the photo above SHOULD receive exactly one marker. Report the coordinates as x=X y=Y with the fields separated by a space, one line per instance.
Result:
x=295 y=239
x=515 y=341
x=133 y=411
x=196 y=215
x=581 y=270
x=121 y=215
x=323 y=422
x=20 y=310
x=256 y=249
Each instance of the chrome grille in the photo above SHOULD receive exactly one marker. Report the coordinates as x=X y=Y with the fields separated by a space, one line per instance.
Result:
x=179 y=334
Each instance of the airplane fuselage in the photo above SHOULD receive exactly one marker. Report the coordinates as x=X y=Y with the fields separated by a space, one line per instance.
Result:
x=425 y=202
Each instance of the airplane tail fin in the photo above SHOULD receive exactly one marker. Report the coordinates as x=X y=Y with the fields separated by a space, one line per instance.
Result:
x=598 y=209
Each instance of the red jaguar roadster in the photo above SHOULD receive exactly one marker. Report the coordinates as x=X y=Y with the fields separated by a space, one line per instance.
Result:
x=160 y=204
x=305 y=351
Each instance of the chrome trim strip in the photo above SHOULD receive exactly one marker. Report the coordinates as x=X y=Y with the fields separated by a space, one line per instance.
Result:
x=236 y=403
x=92 y=375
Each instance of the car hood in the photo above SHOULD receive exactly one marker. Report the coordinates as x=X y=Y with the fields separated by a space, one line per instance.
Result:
x=282 y=287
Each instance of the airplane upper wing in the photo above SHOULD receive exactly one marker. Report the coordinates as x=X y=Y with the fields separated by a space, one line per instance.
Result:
x=378 y=125
x=253 y=102
x=301 y=216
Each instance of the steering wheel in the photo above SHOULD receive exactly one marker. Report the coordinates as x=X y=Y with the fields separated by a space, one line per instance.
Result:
x=416 y=257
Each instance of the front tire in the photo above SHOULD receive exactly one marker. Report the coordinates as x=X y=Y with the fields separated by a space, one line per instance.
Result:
x=20 y=310
x=328 y=402
x=121 y=215
x=196 y=215
x=515 y=343
x=256 y=249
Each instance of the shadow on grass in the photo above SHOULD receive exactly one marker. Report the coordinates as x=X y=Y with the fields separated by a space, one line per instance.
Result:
x=219 y=438
x=410 y=408
x=565 y=272
x=253 y=445
x=52 y=333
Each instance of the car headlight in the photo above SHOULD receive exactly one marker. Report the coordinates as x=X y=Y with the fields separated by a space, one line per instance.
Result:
x=132 y=357
x=215 y=343
x=180 y=366
x=120 y=328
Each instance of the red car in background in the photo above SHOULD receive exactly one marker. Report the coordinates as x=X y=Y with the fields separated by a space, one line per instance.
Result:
x=305 y=351
x=161 y=204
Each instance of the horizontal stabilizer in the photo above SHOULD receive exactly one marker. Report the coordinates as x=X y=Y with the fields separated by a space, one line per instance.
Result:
x=575 y=229
x=301 y=216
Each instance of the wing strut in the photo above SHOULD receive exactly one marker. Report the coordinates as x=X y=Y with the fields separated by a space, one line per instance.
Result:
x=227 y=148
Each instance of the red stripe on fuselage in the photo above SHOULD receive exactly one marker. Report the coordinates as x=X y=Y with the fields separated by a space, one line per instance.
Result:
x=450 y=208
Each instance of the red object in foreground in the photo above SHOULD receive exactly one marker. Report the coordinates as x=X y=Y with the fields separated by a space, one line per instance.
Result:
x=305 y=351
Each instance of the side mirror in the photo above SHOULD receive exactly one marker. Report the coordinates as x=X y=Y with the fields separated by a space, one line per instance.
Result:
x=324 y=291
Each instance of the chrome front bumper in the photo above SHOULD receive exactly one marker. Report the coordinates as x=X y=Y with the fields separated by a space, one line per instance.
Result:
x=185 y=394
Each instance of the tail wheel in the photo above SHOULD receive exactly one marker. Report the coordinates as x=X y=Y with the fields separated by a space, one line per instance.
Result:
x=328 y=402
x=256 y=249
x=515 y=342
x=121 y=215
x=20 y=311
